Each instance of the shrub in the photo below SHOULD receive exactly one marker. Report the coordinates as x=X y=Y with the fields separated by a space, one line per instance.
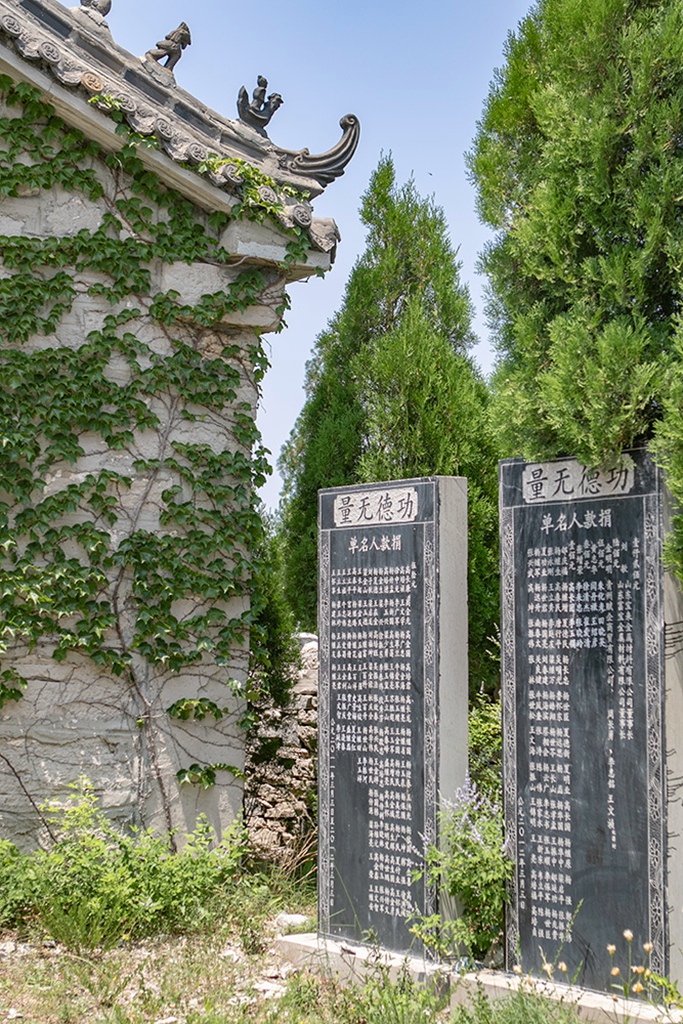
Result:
x=15 y=901
x=486 y=747
x=98 y=885
x=470 y=865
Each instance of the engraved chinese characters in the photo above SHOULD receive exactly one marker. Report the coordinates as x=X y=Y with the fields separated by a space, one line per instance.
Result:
x=366 y=508
x=384 y=756
x=583 y=693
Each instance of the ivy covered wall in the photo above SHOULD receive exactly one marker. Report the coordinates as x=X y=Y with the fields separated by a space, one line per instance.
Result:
x=130 y=359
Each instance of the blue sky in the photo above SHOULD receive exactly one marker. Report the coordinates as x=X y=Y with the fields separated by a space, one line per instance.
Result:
x=416 y=74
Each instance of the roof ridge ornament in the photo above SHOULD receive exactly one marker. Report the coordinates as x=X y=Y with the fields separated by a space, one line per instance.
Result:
x=187 y=131
x=171 y=47
x=259 y=111
x=325 y=167
x=102 y=7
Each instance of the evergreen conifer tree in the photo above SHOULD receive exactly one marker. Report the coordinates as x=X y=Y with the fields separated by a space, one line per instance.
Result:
x=391 y=393
x=578 y=162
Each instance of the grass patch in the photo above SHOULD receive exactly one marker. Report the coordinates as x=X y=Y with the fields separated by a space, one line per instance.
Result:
x=212 y=979
x=526 y=1006
x=110 y=927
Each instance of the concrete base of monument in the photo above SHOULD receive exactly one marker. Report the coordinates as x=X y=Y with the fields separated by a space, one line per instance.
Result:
x=351 y=963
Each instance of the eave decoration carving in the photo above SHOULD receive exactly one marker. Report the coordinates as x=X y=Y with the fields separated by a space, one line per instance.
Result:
x=76 y=47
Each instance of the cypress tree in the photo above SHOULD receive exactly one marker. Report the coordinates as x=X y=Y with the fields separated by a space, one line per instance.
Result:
x=578 y=164
x=391 y=393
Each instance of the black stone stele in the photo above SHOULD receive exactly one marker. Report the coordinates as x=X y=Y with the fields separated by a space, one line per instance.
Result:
x=379 y=693
x=583 y=700
x=172 y=46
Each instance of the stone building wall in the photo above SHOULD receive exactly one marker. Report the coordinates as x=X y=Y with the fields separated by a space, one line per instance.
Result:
x=76 y=717
x=147 y=243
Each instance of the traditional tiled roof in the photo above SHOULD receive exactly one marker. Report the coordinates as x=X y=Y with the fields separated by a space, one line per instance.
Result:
x=75 y=46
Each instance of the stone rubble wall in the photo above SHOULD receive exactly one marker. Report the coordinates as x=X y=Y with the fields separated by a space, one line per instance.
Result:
x=280 y=797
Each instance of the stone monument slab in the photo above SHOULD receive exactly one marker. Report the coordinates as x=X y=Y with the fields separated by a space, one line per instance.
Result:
x=583 y=714
x=392 y=696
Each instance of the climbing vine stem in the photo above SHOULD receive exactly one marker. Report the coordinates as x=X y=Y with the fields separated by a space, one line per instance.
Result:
x=106 y=403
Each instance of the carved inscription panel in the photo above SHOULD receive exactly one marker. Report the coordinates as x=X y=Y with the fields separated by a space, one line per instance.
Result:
x=377 y=707
x=583 y=695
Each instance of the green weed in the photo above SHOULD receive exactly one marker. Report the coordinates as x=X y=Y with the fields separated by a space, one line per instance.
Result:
x=526 y=1006
x=471 y=865
x=381 y=1000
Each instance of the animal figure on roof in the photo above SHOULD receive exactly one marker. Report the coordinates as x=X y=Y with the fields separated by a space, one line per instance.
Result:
x=259 y=111
x=172 y=46
x=101 y=6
